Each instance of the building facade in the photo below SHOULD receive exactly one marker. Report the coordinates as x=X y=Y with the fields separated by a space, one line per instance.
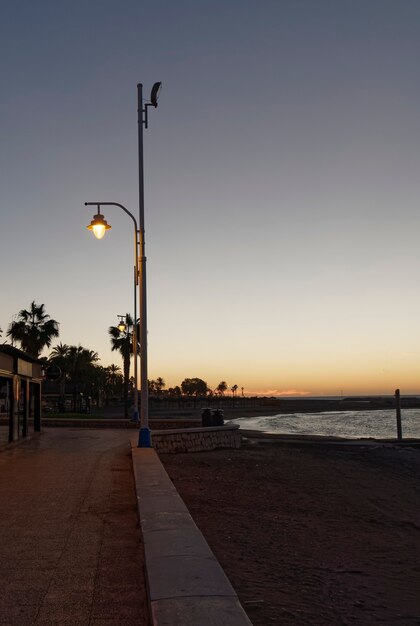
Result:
x=20 y=394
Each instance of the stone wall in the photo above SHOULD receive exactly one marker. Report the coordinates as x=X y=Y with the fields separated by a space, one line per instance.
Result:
x=92 y=422
x=196 y=439
x=173 y=423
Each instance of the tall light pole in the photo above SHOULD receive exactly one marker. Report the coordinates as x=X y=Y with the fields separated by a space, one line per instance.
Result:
x=145 y=440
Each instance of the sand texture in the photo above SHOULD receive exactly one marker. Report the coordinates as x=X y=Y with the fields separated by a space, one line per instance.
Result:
x=311 y=535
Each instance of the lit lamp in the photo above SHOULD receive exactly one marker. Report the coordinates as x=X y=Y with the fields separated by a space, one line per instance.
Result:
x=121 y=324
x=98 y=225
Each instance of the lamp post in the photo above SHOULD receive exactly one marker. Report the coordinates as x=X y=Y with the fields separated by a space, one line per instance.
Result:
x=98 y=222
x=99 y=226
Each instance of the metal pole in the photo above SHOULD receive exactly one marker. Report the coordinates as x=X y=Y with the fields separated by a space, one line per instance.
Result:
x=136 y=282
x=145 y=440
x=398 y=411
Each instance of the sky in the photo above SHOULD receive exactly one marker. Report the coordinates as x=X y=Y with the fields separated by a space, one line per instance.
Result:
x=282 y=184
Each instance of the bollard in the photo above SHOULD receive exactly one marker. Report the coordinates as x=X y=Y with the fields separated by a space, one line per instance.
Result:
x=398 y=411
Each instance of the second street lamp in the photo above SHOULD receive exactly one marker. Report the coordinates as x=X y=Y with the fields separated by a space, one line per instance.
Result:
x=124 y=324
x=121 y=324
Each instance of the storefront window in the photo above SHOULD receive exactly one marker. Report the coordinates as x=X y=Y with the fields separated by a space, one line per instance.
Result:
x=5 y=408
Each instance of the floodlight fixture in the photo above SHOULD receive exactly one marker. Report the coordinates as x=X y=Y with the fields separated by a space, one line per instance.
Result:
x=143 y=117
x=154 y=94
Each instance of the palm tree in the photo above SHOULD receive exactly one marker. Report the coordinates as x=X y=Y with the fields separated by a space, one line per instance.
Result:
x=33 y=329
x=81 y=369
x=122 y=341
x=80 y=359
x=97 y=383
x=156 y=386
x=113 y=372
x=60 y=351
x=159 y=385
x=59 y=356
x=221 y=388
x=113 y=380
x=78 y=367
x=234 y=389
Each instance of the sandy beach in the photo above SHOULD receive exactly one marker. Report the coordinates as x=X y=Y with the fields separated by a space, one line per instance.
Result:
x=311 y=535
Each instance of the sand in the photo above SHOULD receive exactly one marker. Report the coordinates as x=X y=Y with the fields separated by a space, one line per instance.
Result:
x=311 y=535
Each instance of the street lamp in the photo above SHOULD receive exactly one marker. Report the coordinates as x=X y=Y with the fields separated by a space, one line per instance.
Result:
x=121 y=323
x=99 y=226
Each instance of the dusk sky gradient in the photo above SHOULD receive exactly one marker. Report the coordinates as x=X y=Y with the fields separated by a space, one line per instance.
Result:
x=282 y=184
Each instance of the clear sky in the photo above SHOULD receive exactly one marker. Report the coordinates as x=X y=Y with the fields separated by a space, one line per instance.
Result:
x=282 y=184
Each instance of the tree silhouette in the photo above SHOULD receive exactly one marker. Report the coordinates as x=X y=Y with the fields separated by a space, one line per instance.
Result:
x=33 y=329
x=194 y=387
x=59 y=356
x=156 y=386
x=221 y=387
x=113 y=374
x=159 y=385
x=234 y=389
x=114 y=381
x=79 y=369
x=59 y=352
x=122 y=341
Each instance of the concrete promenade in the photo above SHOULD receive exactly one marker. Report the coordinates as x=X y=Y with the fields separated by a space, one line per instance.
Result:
x=187 y=585
x=70 y=550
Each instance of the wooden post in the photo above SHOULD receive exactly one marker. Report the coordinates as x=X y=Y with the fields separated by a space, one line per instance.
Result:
x=398 y=411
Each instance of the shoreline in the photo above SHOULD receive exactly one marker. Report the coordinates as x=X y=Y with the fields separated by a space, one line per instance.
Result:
x=286 y=439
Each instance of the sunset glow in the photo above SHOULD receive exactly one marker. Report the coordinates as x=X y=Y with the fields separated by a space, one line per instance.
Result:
x=281 y=186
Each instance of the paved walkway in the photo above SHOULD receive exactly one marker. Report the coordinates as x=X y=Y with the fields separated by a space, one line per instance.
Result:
x=70 y=548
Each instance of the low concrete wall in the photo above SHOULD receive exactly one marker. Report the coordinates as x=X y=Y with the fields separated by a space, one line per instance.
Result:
x=186 y=584
x=92 y=422
x=173 y=423
x=196 y=439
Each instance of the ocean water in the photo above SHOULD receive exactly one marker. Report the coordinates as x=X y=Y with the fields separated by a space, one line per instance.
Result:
x=379 y=424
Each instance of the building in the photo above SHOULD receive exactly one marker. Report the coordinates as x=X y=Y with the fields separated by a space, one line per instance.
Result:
x=20 y=394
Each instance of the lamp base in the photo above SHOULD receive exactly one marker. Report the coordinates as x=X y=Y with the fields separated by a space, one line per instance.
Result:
x=145 y=438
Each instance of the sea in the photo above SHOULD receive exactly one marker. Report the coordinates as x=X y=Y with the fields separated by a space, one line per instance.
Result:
x=372 y=424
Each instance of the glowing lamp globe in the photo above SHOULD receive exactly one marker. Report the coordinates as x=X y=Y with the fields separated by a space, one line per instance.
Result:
x=98 y=225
